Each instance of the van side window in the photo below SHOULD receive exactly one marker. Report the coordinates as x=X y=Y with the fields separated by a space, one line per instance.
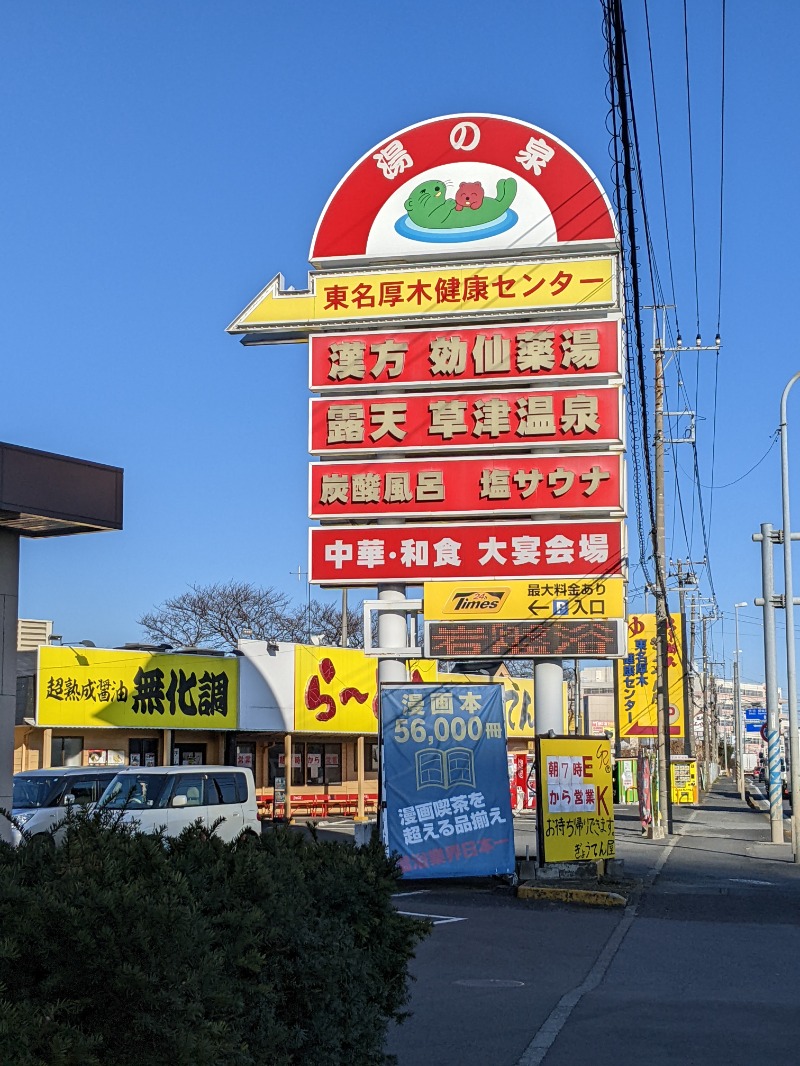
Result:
x=83 y=790
x=190 y=786
x=222 y=788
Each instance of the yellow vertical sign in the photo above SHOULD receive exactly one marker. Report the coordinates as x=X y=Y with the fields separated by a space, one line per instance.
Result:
x=577 y=805
x=636 y=679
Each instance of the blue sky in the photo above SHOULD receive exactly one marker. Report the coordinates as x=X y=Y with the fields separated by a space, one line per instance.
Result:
x=163 y=161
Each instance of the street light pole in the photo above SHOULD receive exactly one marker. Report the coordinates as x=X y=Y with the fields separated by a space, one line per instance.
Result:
x=737 y=707
x=791 y=682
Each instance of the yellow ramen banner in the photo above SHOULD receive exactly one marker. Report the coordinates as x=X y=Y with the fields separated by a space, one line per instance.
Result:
x=336 y=689
x=447 y=601
x=517 y=702
x=636 y=679
x=96 y=688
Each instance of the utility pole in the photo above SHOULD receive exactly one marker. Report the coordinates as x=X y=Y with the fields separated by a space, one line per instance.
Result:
x=662 y=607
x=692 y=634
x=659 y=544
x=687 y=579
x=768 y=537
x=706 y=730
x=737 y=705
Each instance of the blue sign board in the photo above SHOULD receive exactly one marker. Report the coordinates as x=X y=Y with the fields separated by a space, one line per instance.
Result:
x=448 y=807
x=752 y=727
x=755 y=714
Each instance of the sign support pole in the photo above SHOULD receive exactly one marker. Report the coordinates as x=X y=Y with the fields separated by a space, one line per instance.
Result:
x=9 y=594
x=392 y=633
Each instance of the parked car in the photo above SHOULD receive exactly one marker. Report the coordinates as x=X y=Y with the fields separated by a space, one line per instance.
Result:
x=174 y=797
x=40 y=797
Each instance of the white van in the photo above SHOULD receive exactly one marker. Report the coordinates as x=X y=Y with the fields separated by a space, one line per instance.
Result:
x=39 y=798
x=172 y=797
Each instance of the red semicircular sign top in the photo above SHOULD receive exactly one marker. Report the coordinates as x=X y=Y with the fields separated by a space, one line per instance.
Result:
x=463 y=185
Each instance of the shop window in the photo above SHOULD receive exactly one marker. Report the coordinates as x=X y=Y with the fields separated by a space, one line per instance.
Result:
x=66 y=751
x=323 y=764
x=333 y=764
x=371 y=758
x=246 y=754
x=313 y=765
x=189 y=755
x=143 y=751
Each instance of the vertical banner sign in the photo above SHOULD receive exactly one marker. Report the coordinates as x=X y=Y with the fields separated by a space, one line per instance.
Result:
x=575 y=798
x=448 y=809
x=636 y=679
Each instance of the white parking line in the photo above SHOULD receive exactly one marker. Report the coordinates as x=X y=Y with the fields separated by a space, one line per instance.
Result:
x=437 y=919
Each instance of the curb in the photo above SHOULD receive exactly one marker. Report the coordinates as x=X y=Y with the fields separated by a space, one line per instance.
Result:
x=588 y=897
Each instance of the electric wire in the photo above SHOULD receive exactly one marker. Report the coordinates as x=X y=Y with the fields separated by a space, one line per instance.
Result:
x=691 y=164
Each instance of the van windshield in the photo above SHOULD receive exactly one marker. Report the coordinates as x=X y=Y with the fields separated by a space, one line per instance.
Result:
x=132 y=791
x=29 y=793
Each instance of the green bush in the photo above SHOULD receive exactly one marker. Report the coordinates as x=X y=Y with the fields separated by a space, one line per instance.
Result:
x=126 y=948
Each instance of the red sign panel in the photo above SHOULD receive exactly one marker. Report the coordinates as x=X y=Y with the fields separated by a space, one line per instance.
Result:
x=466 y=421
x=486 y=355
x=451 y=165
x=413 y=554
x=579 y=482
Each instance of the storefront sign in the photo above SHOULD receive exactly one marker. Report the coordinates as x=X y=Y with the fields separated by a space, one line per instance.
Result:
x=636 y=679
x=575 y=799
x=474 y=292
x=517 y=356
x=96 y=688
x=517 y=701
x=414 y=554
x=467 y=421
x=336 y=689
x=513 y=600
x=421 y=487
x=448 y=811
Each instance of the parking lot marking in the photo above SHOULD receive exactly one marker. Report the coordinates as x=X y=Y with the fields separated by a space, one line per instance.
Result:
x=437 y=919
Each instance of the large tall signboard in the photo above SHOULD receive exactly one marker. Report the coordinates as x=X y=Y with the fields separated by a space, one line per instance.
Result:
x=463 y=320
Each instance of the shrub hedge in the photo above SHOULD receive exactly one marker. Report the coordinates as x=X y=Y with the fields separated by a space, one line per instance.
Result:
x=132 y=949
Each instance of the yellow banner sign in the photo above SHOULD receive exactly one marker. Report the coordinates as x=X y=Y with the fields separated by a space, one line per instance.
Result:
x=336 y=689
x=577 y=806
x=98 y=688
x=513 y=600
x=636 y=679
x=517 y=701
x=473 y=292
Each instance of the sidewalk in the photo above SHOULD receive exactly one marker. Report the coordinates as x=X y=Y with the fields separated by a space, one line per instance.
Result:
x=701 y=966
x=707 y=959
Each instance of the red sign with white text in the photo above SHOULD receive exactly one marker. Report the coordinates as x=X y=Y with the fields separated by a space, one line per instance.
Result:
x=466 y=421
x=413 y=554
x=517 y=355
x=458 y=183
x=426 y=487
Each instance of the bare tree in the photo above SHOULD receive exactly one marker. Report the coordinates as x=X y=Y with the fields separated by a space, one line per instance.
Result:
x=218 y=615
